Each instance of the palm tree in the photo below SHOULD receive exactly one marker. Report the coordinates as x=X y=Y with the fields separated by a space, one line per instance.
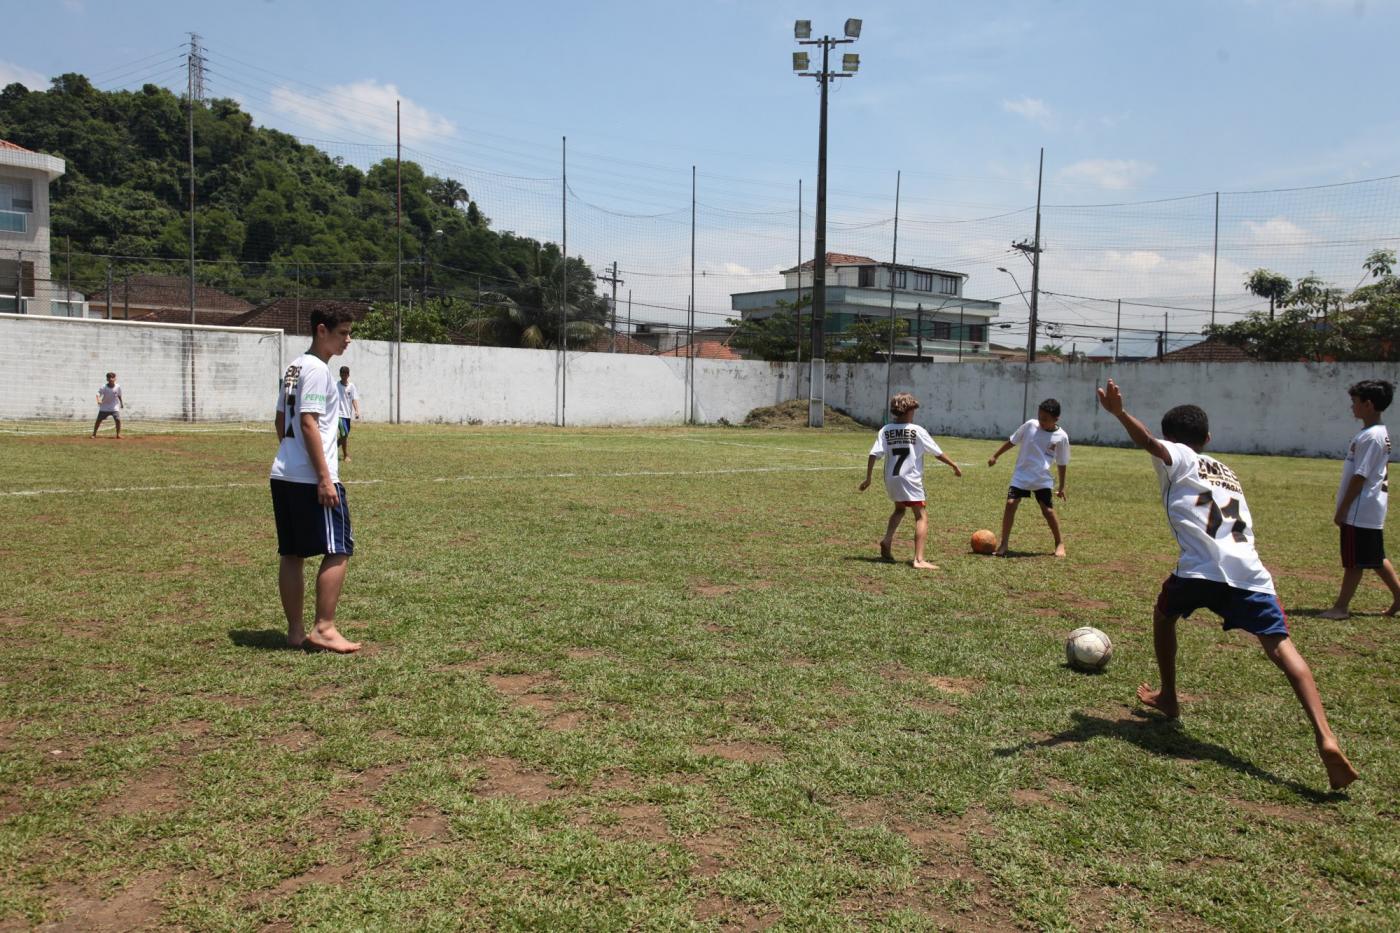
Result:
x=449 y=192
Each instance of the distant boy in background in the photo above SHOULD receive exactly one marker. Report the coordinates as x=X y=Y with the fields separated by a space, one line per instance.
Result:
x=1362 y=498
x=1218 y=568
x=1042 y=442
x=903 y=445
x=109 y=403
x=349 y=408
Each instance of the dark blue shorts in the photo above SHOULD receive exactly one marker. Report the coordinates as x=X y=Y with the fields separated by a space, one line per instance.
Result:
x=1256 y=613
x=344 y=427
x=305 y=527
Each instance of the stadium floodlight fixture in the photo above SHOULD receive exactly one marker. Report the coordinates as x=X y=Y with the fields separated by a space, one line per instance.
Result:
x=852 y=29
x=850 y=63
x=800 y=61
x=802 y=29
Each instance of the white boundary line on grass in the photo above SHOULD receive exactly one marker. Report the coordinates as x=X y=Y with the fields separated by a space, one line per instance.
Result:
x=470 y=477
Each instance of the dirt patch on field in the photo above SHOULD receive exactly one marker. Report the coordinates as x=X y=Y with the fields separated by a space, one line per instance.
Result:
x=363 y=785
x=585 y=654
x=295 y=740
x=634 y=821
x=565 y=722
x=749 y=752
x=934 y=706
x=506 y=777
x=136 y=906
x=152 y=793
x=958 y=686
x=793 y=414
x=429 y=828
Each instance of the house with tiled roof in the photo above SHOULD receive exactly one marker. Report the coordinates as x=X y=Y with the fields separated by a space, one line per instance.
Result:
x=26 y=285
x=1209 y=350
x=705 y=348
x=944 y=323
x=293 y=315
x=165 y=299
x=618 y=343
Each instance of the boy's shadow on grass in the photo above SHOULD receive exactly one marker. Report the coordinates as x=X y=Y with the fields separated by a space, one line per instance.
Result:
x=1161 y=736
x=267 y=639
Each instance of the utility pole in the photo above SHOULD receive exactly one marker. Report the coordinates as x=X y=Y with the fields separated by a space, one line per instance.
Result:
x=919 y=337
x=850 y=64
x=1118 y=331
x=612 y=341
x=195 y=91
x=1034 y=251
x=797 y=308
x=109 y=291
x=398 y=263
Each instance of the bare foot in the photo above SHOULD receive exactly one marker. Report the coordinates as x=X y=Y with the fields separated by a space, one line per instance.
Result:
x=1394 y=608
x=924 y=565
x=886 y=554
x=1059 y=550
x=1167 y=706
x=1340 y=773
x=1339 y=614
x=330 y=639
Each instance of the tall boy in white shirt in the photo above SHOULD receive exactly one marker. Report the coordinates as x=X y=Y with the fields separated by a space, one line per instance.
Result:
x=903 y=444
x=1218 y=568
x=308 y=500
x=1362 y=499
x=1042 y=442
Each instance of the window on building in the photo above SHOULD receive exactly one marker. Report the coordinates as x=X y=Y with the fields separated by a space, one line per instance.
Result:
x=867 y=277
x=16 y=204
x=977 y=333
x=901 y=278
x=923 y=281
x=942 y=330
x=948 y=284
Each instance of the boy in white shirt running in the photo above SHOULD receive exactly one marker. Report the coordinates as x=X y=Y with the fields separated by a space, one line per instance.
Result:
x=109 y=404
x=1362 y=499
x=1218 y=568
x=308 y=500
x=349 y=408
x=1042 y=442
x=903 y=444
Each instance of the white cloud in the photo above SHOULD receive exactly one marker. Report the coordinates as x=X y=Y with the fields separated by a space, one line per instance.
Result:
x=1032 y=108
x=365 y=108
x=10 y=73
x=1276 y=231
x=1110 y=174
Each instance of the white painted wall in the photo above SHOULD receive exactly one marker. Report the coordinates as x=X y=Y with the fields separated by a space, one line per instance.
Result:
x=50 y=368
x=1276 y=408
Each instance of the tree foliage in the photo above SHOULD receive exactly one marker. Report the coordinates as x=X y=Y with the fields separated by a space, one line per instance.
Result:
x=773 y=338
x=868 y=341
x=279 y=217
x=1319 y=322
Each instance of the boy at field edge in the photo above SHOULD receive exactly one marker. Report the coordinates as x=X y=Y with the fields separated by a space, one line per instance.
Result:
x=349 y=408
x=1042 y=441
x=1218 y=568
x=1362 y=499
x=308 y=500
x=903 y=444
x=109 y=404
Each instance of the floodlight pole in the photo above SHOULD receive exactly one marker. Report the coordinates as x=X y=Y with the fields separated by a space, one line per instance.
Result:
x=816 y=383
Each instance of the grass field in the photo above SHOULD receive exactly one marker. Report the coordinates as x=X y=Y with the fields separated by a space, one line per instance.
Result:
x=655 y=680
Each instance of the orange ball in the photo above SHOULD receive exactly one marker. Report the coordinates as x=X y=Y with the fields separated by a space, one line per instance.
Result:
x=984 y=542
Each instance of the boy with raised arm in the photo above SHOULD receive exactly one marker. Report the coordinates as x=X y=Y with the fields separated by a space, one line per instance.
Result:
x=1042 y=442
x=308 y=500
x=903 y=444
x=1218 y=568
x=1362 y=499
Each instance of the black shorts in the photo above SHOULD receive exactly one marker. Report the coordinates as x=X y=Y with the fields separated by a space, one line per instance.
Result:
x=104 y=415
x=1043 y=496
x=1362 y=547
x=305 y=527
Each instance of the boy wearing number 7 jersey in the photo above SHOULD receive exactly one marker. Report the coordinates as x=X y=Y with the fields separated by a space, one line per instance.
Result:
x=903 y=444
x=1218 y=568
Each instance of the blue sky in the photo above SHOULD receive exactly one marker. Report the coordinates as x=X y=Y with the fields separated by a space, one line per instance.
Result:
x=1133 y=102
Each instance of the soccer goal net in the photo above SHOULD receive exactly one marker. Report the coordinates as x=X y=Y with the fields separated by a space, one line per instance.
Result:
x=172 y=376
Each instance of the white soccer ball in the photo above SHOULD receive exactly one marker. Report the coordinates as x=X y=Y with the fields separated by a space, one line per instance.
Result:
x=1088 y=649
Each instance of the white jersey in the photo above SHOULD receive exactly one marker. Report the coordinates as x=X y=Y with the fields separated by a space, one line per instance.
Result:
x=307 y=388
x=903 y=446
x=109 y=398
x=348 y=396
x=1038 y=449
x=1368 y=456
x=1207 y=513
